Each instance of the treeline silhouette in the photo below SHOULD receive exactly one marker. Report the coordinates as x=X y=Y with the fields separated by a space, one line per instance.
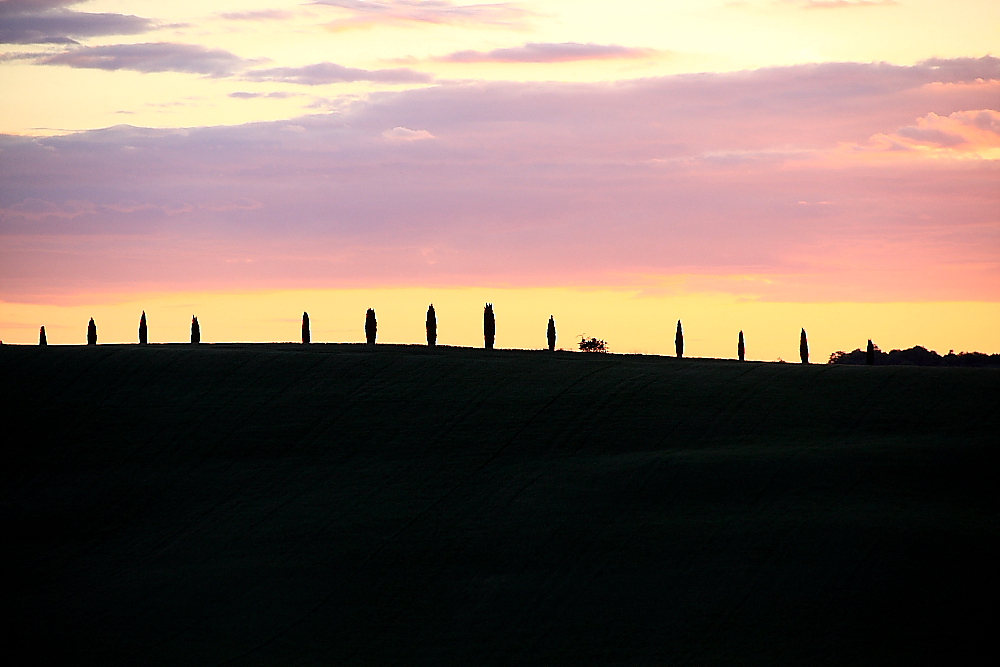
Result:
x=871 y=356
x=914 y=356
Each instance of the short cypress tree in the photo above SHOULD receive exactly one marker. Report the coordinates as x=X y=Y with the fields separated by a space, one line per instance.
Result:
x=870 y=353
x=741 y=349
x=371 y=326
x=306 y=335
x=803 y=347
x=91 y=333
x=550 y=334
x=42 y=340
x=143 y=339
x=432 y=327
x=195 y=331
x=489 y=326
x=679 y=340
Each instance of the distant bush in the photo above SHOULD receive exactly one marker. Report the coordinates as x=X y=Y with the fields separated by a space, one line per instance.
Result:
x=803 y=347
x=914 y=356
x=593 y=345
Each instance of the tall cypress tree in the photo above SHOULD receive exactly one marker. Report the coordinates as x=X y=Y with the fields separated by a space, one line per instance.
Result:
x=42 y=340
x=870 y=353
x=803 y=347
x=143 y=339
x=550 y=334
x=489 y=326
x=306 y=334
x=679 y=340
x=432 y=327
x=91 y=333
x=371 y=326
x=741 y=349
x=195 y=331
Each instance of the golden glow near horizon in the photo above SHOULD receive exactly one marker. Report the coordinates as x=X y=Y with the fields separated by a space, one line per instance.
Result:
x=665 y=38
x=629 y=321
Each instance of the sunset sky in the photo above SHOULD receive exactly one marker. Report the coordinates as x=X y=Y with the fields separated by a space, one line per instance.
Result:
x=762 y=165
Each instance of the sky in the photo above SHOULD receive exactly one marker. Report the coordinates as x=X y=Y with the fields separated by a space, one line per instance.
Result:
x=762 y=166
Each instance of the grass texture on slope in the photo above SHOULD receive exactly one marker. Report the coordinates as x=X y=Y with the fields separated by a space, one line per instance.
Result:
x=338 y=505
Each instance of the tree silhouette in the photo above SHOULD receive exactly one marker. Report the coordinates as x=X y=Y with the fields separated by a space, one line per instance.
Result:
x=550 y=334
x=915 y=356
x=803 y=347
x=679 y=340
x=306 y=334
x=489 y=326
x=143 y=338
x=741 y=349
x=371 y=326
x=42 y=340
x=432 y=327
x=195 y=331
x=870 y=353
x=91 y=333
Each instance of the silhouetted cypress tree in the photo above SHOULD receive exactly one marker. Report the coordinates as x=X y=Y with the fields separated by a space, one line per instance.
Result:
x=679 y=340
x=870 y=353
x=371 y=326
x=803 y=347
x=741 y=349
x=142 y=329
x=91 y=333
x=550 y=334
x=489 y=326
x=195 y=331
x=306 y=335
x=432 y=327
x=42 y=340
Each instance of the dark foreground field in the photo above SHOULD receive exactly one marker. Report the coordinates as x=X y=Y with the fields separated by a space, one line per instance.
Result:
x=330 y=505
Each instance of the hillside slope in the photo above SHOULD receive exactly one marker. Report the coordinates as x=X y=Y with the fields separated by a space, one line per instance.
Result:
x=330 y=504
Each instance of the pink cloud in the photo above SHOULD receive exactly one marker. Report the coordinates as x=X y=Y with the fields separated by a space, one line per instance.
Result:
x=544 y=184
x=406 y=134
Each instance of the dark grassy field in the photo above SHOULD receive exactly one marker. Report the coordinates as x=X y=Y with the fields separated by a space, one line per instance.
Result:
x=331 y=505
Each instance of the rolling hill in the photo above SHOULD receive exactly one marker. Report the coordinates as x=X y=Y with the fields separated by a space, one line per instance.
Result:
x=337 y=505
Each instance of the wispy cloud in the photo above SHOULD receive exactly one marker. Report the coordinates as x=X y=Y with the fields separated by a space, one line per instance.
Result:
x=152 y=57
x=196 y=59
x=279 y=95
x=406 y=134
x=839 y=4
x=366 y=14
x=549 y=53
x=259 y=15
x=325 y=73
x=50 y=22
